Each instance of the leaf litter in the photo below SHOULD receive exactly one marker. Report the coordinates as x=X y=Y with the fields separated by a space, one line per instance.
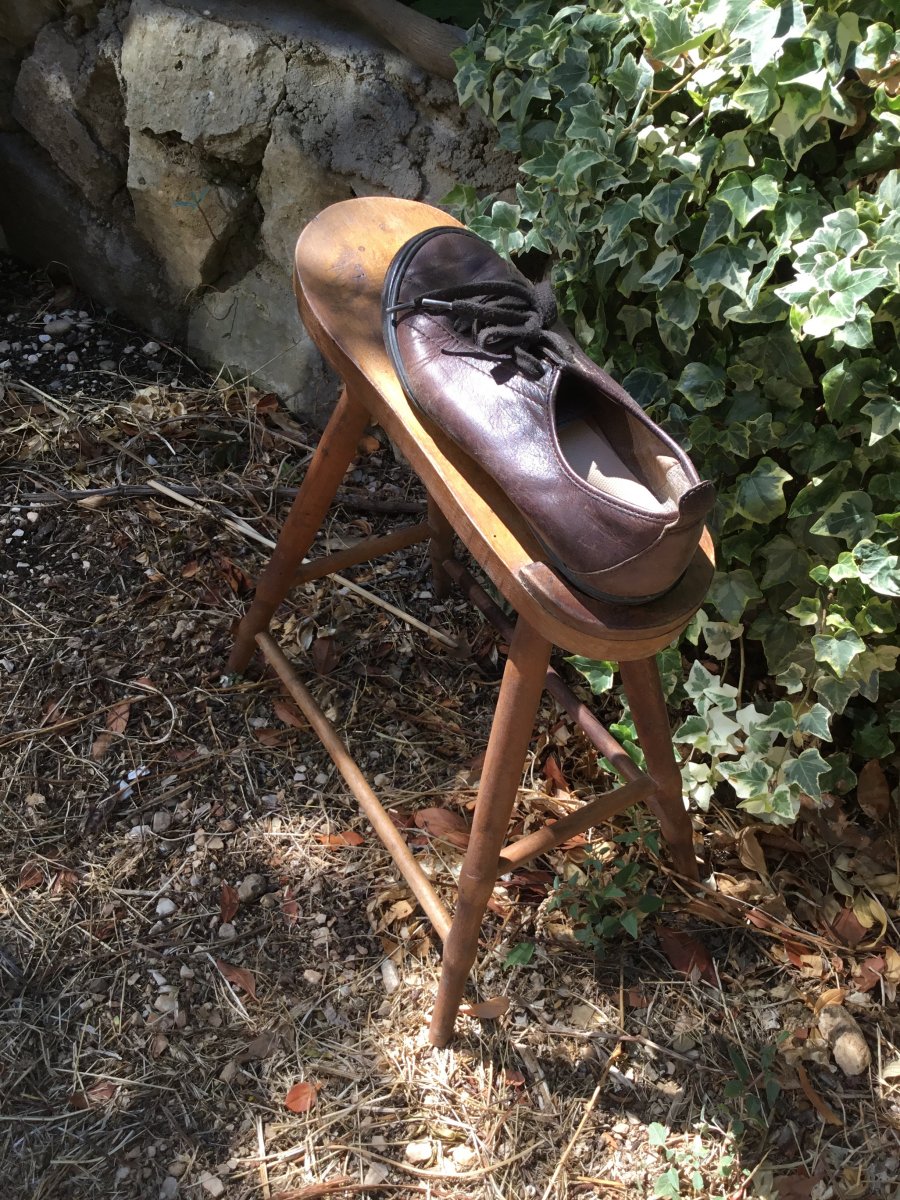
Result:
x=147 y=1047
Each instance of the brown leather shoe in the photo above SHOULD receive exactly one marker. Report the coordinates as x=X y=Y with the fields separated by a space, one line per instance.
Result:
x=615 y=503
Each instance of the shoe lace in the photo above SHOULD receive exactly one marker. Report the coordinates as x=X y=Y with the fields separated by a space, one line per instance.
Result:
x=507 y=319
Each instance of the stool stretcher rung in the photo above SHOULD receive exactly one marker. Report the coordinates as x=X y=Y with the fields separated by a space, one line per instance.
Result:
x=595 y=731
x=593 y=813
x=370 y=804
x=364 y=551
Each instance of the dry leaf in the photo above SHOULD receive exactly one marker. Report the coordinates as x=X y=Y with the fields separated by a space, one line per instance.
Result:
x=368 y=444
x=487 y=1010
x=553 y=774
x=101 y=744
x=831 y=996
x=445 y=824
x=349 y=837
x=271 y=737
x=239 y=976
x=189 y=570
x=92 y=1097
x=847 y=928
x=229 y=902
x=798 y=1186
x=267 y=403
x=30 y=876
x=301 y=1097
x=513 y=1078
x=872 y=792
x=65 y=880
x=158 y=1045
x=750 y=852
x=117 y=717
x=868 y=974
x=289 y=907
x=287 y=712
x=325 y=654
x=825 y=1111
x=686 y=954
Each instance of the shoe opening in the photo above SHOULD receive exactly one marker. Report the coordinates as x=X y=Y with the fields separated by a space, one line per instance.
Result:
x=613 y=451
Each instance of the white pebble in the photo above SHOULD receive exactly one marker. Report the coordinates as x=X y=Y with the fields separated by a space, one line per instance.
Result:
x=212 y=1184
x=165 y=907
x=227 y=931
x=150 y=348
x=44 y=337
x=169 y=1189
x=31 y=516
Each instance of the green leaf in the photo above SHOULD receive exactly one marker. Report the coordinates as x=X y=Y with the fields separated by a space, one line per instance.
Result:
x=759 y=496
x=657 y=1134
x=848 y=517
x=667 y=1186
x=840 y=777
x=520 y=955
x=805 y=770
x=746 y=197
x=731 y=592
x=838 y=650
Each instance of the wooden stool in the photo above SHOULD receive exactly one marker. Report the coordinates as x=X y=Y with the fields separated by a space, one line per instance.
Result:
x=341 y=260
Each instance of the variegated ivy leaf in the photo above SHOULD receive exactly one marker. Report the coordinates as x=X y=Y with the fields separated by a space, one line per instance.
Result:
x=838 y=650
x=791 y=678
x=781 y=805
x=731 y=592
x=805 y=771
x=711 y=732
x=878 y=567
x=815 y=722
x=849 y=516
x=719 y=635
x=749 y=776
x=707 y=689
x=696 y=779
x=746 y=197
x=780 y=720
x=598 y=673
x=760 y=494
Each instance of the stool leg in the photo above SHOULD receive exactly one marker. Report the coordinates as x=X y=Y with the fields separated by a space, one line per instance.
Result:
x=651 y=720
x=324 y=474
x=441 y=548
x=513 y=725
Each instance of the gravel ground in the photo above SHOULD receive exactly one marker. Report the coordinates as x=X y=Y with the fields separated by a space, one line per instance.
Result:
x=212 y=981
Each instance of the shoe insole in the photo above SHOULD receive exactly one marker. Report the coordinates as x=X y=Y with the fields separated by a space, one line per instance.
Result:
x=591 y=456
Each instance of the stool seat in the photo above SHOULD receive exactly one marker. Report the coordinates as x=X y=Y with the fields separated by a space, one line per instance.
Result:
x=340 y=262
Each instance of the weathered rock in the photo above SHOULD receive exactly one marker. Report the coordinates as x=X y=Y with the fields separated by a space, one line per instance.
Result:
x=186 y=217
x=215 y=86
x=848 y=1044
x=355 y=122
x=252 y=328
x=46 y=220
x=22 y=20
x=68 y=98
x=292 y=188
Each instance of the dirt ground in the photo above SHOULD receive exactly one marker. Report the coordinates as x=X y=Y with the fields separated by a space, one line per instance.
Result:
x=213 y=981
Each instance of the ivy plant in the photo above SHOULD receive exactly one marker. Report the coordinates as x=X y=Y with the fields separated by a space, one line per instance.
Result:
x=715 y=185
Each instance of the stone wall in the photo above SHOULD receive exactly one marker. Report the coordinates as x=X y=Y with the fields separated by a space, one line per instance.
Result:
x=168 y=152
